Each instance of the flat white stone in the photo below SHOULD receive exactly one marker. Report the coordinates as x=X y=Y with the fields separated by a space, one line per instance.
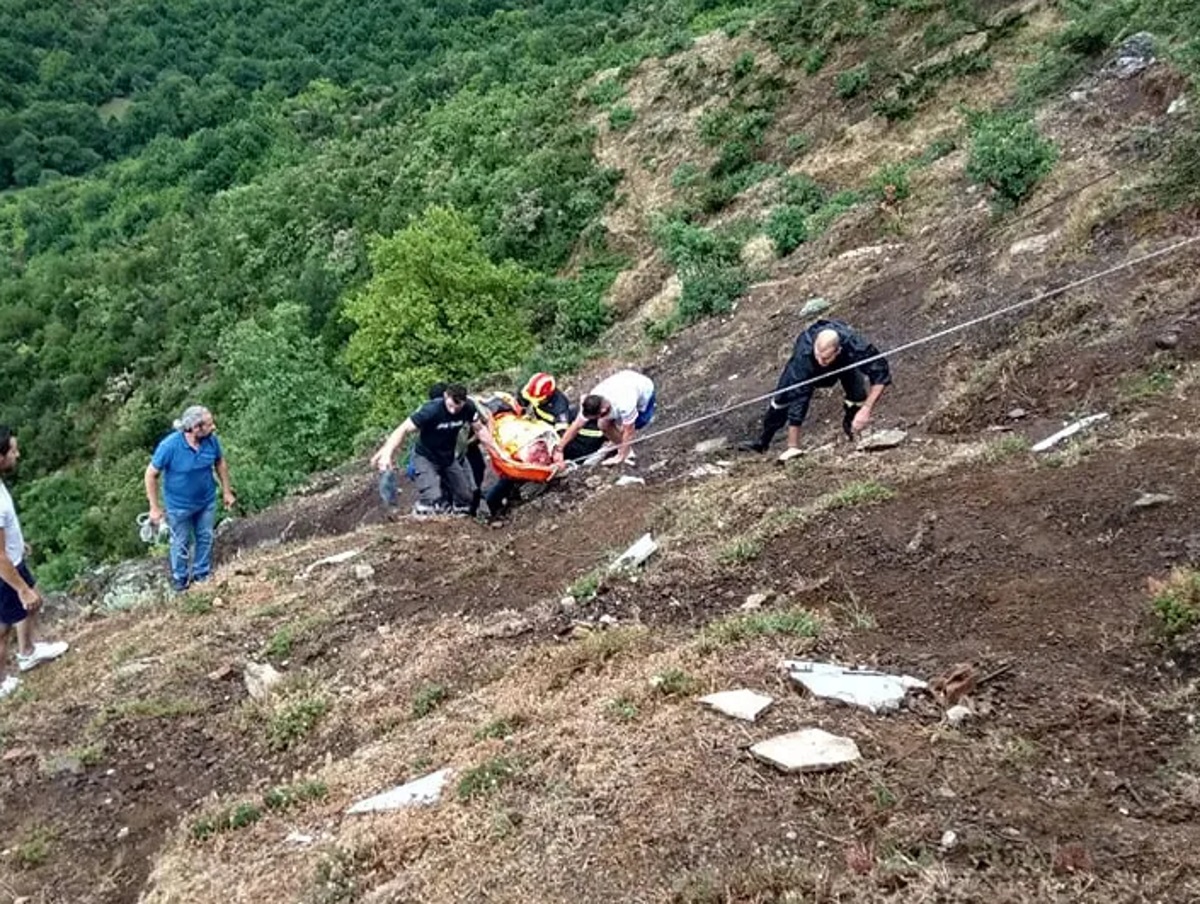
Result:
x=808 y=750
x=740 y=704
x=417 y=793
x=708 y=446
x=1034 y=244
x=875 y=691
x=700 y=472
x=260 y=678
x=629 y=480
x=636 y=554
x=1070 y=430
x=881 y=439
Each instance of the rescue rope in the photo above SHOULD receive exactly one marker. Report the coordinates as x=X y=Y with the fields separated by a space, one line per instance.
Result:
x=924 y=340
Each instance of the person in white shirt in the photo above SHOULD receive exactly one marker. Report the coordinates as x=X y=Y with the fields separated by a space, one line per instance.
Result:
x=622 y=404
x=20 y=599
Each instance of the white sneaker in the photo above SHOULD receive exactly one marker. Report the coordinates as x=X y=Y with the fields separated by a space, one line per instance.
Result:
x=42 y=652
x=9 y=685
x=788 y=454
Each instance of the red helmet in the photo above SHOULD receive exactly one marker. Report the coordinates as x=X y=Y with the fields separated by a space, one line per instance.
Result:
x=540 y=386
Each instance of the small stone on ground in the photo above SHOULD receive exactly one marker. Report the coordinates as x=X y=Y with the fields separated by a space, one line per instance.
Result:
x=807 y=750
x=740 y=704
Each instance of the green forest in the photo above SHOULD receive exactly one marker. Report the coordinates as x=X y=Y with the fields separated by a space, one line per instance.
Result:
x=301 y=214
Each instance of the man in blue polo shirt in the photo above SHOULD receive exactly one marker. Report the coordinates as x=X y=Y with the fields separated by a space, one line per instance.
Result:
x=187 y=458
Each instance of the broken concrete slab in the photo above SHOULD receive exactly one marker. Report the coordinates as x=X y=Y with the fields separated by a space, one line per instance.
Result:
x=807 y=750
x=1148 y=500
x=417 y=793
x=628 y=480
x=260 y=678
x=875 y=691
x=815 y=306
x=636 y=554
x=740 y=704
x=1034 y=244
x=880 y=440
x=1070 y=430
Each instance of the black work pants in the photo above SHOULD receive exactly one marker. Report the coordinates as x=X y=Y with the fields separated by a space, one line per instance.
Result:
x=791 y=407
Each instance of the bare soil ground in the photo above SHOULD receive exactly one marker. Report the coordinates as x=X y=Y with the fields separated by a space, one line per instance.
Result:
x=139 y=769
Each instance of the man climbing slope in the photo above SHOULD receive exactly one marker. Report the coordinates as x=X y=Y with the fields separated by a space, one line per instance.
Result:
x=621 y=404
x=825 y=353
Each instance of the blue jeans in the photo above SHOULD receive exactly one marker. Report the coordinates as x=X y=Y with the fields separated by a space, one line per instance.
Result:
x=184 y=525
x=645 y=417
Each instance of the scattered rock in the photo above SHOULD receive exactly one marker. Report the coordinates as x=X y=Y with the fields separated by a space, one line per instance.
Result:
x=569 y=605
x=1070 y=430
x=509 y=624
x=755 y=601
x=64 y=764
x=964 y=46
x=298 y=838
x=609 y=621
x=1178 y=106
x=880 y=440
x=814 y=306
x=1135 y=55
x=1148 y=500
x=807 y=750
x=740 y=704
x=957 y=715
x=1167 y=341
x=260 y=678
x=130 y=584
x=949 y=839
x=708 y=446
x=421 y=792
x=1035 y=244
x=700 y=472
x=1011 y=14
x=636 y=554
x=17 y=753
x=337 y=559
x=628 y=480
x=1016 y=414
x=137 y=667
x=122 y=833
x=875 y=691
x=363 y=572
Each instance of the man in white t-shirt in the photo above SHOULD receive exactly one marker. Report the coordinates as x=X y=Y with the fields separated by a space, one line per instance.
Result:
x=623 y=404
x=20 y=599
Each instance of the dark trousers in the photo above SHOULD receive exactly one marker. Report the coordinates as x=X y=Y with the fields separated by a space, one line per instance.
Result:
x=478 y=468
x=442 y=484
x=791 y=408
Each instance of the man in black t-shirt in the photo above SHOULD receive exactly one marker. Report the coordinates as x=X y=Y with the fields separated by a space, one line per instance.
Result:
x=444 y=484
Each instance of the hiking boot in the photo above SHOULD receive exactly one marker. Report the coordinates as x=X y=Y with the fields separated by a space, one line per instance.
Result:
x=41 y=652
x=753 y=445
x=9 y=686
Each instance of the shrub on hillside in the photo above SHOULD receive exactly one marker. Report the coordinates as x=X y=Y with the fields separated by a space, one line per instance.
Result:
x=1008 y=155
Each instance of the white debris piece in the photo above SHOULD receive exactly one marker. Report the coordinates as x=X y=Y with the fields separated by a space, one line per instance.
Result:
x=419 y=792
x=808 y=750
x=957 y=715
x=881 y=439
x=708 y=446
x=876 y=691
x=337 y=559
x=1070 y=430
x=260 y=678
x=628 y=480
x=706 y=470
x=740 y=704
x=298 y=838
x=636 y=554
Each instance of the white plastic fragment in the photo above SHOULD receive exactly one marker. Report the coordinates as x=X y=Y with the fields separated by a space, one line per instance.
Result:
x=875 y=691
x=628 y=480
x=419 y=792
x=808 y=750
x=1070 y=430
x=740 y=704
x=636 y=554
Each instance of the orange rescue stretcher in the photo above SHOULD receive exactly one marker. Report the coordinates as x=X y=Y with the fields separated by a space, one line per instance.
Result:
x=524 y=447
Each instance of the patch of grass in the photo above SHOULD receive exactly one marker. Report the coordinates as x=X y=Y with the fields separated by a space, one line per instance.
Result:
x=280 y=644
x=336 y=878
x=743 y=65
x=686 y=175
x=674 y=682
x=852 y=82
x=1008 y=155
x=740 y=551
x=606 y=92
x=428 y=698
x=1005 y=447
x=884 y=798
x=228 y=819
x=890 y=182
x=155 y=709
x=737 y=628
x=33 y=848
x=586 y=586
x=814 y=60
x=709 y=265
x=938 y=148
x=196 y=603
x=1147 y=385
x=622 y=709
x=621 y=117
x=798 y=143
x=500 y=728
x=125 y=653
x=488 y=777
x=1175 y=602
x=293 y=719
x=838 y=204
x=88 y=754
x=286 y=797
x=861 y=492
x=271 y=611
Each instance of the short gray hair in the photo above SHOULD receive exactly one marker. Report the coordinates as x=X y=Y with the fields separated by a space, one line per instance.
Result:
x=191 y=417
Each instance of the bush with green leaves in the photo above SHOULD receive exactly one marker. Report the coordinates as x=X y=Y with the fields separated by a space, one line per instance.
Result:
x=1009 y=155
x=852 y=82
x=621 y=117
x=709 y=266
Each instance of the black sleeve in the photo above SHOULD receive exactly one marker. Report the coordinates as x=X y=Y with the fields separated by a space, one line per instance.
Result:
x=560 y=407
x=859 y=349
x=423 y=415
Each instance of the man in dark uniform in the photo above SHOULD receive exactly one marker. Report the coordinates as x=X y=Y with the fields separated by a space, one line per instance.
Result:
x=443 y=481
x=825 y=353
